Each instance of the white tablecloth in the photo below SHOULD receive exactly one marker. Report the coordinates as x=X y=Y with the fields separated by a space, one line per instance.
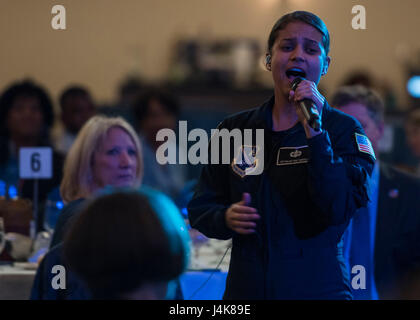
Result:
x=15 y=282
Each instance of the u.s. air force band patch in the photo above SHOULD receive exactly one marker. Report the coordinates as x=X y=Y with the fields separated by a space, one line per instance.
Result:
x=246 y=162
x=364 y=145
x=292 y=155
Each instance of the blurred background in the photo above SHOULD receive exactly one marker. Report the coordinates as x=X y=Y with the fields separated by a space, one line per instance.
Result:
x=210 y=53
x=107 y=40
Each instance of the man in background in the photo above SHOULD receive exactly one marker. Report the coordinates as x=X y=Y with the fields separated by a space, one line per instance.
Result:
x=77 y=107
x=157 y=109
x=412 y=129
x=384 y=238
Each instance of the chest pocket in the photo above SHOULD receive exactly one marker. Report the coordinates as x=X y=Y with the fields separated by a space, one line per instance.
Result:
x=288 y=172
x=289 y=178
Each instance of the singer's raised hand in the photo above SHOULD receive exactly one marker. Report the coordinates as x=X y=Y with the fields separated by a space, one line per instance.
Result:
x=240 y=217
x=307 y=90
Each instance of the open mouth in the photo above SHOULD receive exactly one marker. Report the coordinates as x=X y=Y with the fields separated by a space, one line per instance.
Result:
x=125 y=177
x=295 y=72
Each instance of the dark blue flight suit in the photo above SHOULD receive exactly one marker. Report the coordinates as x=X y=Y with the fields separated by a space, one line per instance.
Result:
x=306 y=196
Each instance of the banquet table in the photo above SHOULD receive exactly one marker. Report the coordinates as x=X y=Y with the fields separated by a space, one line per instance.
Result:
x=203 y=284
x=15 y=281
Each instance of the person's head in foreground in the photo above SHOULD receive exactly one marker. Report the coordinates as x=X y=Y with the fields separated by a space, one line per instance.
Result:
x=366 y=106
x=106 y=152
x=128 y=245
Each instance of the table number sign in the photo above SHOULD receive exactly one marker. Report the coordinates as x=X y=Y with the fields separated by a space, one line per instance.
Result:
x=35 y=163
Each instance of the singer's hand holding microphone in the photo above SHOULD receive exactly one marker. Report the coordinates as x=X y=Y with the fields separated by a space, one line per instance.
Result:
x=309 y=103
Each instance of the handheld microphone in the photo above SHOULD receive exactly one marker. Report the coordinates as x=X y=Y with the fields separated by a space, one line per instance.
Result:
x=308 y=108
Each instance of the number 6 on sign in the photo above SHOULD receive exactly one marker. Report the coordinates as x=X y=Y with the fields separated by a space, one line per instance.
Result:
x=35 y=163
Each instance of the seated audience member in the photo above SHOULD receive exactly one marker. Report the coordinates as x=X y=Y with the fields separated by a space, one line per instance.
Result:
x=384 y=237
x=70 y=285
x=359 y=77
x=368 y=80
x=26 y=116
x=138 y=244
x=156 y=110
x=105 y=152
x=128 y=92
x=412 y=129
x=77 y=107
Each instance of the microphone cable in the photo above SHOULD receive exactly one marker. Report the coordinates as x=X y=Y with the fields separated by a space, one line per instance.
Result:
x=211 y=274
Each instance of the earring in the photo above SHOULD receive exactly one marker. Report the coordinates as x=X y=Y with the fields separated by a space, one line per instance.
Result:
x=268 y=62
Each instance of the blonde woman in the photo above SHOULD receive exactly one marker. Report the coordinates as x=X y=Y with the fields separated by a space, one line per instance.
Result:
x=107 y=152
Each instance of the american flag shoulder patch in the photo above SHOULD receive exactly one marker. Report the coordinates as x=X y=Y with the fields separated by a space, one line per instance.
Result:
x=364 y=145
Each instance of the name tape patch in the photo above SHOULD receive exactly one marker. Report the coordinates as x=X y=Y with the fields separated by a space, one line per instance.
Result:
x=292 y=155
